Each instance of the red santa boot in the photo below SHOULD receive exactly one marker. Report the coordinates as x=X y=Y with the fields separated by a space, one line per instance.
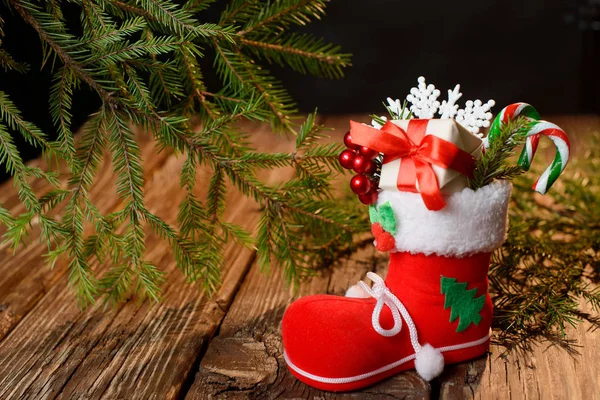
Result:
x=432 y=309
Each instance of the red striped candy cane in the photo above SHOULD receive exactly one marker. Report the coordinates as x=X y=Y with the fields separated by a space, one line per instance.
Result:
x=537 y=127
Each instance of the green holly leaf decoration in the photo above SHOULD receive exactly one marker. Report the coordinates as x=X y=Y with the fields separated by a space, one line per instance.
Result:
x=385 y=216
x=374 y=214
x=463 y=303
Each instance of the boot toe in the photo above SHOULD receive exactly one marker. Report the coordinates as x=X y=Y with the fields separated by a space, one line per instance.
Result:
x=332 y=337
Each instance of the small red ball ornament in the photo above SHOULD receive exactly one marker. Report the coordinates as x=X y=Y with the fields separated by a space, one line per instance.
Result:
x=347 y=158
x=363 y=165
x=367 y=152
x=369 y=198
x=348 y=141
x=371 y=167
x=360 y=184
x=358 y=164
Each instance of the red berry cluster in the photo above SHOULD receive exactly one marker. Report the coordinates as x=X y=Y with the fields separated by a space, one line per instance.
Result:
x=361 y=159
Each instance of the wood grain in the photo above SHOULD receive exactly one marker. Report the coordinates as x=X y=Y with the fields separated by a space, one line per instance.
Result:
x=134 y=351
x=543 y=373
x=24 y=277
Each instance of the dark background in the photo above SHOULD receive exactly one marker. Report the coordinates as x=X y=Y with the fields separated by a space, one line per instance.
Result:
x=542 y=52
x=546 y=53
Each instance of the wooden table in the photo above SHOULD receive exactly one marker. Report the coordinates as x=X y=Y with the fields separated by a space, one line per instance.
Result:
x=227 y=346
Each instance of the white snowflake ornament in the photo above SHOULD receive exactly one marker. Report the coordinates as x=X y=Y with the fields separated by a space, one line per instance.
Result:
x=448 y=109
x=424 y=104
x=475 y=115
x=396 y=110
x=424 y=99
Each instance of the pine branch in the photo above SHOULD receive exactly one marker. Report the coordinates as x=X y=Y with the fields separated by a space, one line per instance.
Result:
x=239 y=10
x=142 y=59
x=49 y=38
x=53 y=7
x=129 y=185
x=89 y=154
x=139 y=91
x=196 y=6
x=281 y=14
x=5 y=216
x=86 y=162
x=12 y=117
x=182 y=22
x=216 y=196
x=61 y=101
x=8 y=63
x=132 y=10
x=127 y=160
x=164 y=82
x=236 y=68
x=293 y=268
x=115 y=35
x=194 y=80
x=121 y=52
x=95 y=21
x=549 y=263
x=303 y=53
x=492 y=165
x=10 y=158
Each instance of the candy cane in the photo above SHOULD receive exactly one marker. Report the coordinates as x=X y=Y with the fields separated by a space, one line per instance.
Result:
x=509 y=113
x=537 y=127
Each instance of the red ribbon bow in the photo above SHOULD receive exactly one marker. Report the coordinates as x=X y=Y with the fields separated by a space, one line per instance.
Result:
x=417 y=159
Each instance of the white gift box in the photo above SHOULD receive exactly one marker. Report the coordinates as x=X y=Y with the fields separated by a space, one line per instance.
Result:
x=449 y=181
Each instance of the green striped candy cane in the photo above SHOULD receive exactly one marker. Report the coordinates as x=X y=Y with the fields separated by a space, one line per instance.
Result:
x=536 y=128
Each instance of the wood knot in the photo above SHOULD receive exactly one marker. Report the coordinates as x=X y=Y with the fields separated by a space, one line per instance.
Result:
x=7 y=320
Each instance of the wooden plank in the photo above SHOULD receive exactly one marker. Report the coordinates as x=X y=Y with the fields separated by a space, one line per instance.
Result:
x=246 y=359
x=24 y=277
x=134 y=351
x=543 y=373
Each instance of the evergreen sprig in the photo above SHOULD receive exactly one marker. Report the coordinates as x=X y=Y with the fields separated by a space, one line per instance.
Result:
x=142 y=59
x=494 y=163
x=549 y=267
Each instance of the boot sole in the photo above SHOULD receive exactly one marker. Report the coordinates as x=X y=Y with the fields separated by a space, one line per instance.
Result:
x=452 y=355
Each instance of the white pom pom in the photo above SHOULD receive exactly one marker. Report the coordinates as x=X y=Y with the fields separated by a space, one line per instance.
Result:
x=357 y=292
x=429 y=362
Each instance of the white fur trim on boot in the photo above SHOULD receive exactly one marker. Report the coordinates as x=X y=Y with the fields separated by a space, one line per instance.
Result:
x=357 y=292
x=429 y=362
x=472 y=221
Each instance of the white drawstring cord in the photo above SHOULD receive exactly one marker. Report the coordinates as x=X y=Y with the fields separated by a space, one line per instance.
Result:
x=384 y=296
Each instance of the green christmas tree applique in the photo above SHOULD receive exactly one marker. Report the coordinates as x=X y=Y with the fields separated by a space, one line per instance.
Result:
x=462 y=302
x=384 y=214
